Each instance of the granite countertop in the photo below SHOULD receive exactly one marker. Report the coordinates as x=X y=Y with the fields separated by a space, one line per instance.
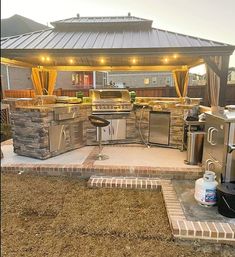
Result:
x=51 y=107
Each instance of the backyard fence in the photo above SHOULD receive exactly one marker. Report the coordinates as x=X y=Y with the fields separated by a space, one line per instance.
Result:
x=193 y=91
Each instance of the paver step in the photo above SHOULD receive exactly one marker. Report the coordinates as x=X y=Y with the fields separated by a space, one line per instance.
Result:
x=124 y=182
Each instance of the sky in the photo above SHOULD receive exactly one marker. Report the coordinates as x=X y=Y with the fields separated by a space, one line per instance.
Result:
x=209 y=19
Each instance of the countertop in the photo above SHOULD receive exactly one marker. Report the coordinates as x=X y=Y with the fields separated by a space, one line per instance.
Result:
x=51 y=107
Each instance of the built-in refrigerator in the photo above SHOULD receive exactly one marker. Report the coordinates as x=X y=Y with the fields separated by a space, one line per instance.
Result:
x=159 y=127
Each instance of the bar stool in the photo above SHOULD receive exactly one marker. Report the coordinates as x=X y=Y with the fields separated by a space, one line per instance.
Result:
x=99 y=123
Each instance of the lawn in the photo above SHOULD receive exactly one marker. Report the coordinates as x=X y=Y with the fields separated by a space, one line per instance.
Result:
x=49 y=216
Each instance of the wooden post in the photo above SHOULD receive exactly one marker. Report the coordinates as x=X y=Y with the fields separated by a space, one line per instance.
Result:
x=223 y=80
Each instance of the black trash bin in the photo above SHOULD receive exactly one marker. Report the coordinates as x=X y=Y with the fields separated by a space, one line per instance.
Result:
x=226 y=199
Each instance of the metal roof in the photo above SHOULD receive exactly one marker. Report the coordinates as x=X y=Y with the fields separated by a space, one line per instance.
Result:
x=86 y=38
x=153 y=38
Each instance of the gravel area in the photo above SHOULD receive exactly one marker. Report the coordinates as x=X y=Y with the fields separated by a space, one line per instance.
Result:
x=51 y=216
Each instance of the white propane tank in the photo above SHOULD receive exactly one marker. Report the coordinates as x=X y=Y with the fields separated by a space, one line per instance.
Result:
x=205 y=189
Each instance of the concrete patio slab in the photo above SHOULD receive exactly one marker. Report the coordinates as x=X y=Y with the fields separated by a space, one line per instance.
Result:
x=77 y=156
x=124 y=160
x=144 y=156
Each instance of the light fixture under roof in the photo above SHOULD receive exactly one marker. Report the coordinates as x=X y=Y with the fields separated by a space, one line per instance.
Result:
x=165 y=60
x=134 y=61
x=43 y=58
x=71 y=61
x=48 y=58
x=102 y=60
x=175 y=56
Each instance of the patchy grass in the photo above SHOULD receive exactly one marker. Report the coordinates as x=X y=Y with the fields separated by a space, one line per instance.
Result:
x=48 y=216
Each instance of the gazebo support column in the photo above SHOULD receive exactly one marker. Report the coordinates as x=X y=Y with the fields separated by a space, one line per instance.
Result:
x=223 y=80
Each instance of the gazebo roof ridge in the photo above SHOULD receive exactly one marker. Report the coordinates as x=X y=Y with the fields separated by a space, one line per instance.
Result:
x=94 y=22
x=101 y=19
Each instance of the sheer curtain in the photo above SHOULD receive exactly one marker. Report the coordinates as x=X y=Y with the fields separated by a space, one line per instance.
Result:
x=213 y=82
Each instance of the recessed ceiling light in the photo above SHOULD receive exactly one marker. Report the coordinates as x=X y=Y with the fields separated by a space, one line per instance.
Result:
x=175 y=56
x=102 y=60
x=133 y=60
x=165 y=59
x=71 y=61
x=43 y=58
x=48 y=58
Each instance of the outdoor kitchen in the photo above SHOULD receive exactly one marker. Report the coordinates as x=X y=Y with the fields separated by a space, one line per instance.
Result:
x=115 y=138
x=46 y=130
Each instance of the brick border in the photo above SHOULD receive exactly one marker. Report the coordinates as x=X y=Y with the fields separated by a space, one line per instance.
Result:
x=221 y=232
x=124 y=182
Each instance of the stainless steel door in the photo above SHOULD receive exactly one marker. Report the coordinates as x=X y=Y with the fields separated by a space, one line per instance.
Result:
x=118 y=129
x=57 y=135
x=215 y=141
x=159 y=127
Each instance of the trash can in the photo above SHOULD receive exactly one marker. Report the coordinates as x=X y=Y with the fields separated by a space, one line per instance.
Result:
x=194 y=147
x=226 y=199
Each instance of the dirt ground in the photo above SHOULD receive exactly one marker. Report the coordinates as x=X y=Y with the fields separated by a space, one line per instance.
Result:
x=48 y=216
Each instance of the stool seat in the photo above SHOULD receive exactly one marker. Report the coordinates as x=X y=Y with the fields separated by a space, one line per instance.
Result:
x=98 y=121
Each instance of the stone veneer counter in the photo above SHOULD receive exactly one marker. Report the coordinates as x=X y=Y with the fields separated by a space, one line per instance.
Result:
x=52 y=129
x=49 y=130
x=178 y=111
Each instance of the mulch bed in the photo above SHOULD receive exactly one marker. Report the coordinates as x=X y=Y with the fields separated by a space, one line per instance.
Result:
x=49 y=216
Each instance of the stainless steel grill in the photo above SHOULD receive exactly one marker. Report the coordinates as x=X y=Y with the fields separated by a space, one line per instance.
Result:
x=106 y=101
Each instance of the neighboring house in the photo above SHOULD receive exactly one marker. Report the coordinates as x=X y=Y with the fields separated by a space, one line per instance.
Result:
x=197 y=79
x=150 y=79
x=231 y=75
x=17 y=24
x=141 y=79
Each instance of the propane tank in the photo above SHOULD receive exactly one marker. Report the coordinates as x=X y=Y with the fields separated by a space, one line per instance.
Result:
x=205 y=189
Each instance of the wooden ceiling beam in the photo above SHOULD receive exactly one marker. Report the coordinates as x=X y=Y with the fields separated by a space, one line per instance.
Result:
x=114 y=68
x=12 y=62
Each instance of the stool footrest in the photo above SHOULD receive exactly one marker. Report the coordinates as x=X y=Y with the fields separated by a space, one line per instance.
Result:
x=101 y=157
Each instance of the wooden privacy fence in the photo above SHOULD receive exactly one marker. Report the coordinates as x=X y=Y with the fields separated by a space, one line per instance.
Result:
x=193 y=91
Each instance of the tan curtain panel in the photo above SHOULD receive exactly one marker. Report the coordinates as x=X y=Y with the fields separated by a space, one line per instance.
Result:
x=181 y=82
x=35 y=76
x=43 y=81
x=213 y=82
x=51 y=81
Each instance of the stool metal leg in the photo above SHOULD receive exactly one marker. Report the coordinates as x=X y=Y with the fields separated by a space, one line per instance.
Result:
x=100 y=156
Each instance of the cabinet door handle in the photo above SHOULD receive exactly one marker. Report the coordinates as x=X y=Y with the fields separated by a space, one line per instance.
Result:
x=209 y=162
x=231 y=148
x=209 y=134
x=212 y=134
x=113 y=130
